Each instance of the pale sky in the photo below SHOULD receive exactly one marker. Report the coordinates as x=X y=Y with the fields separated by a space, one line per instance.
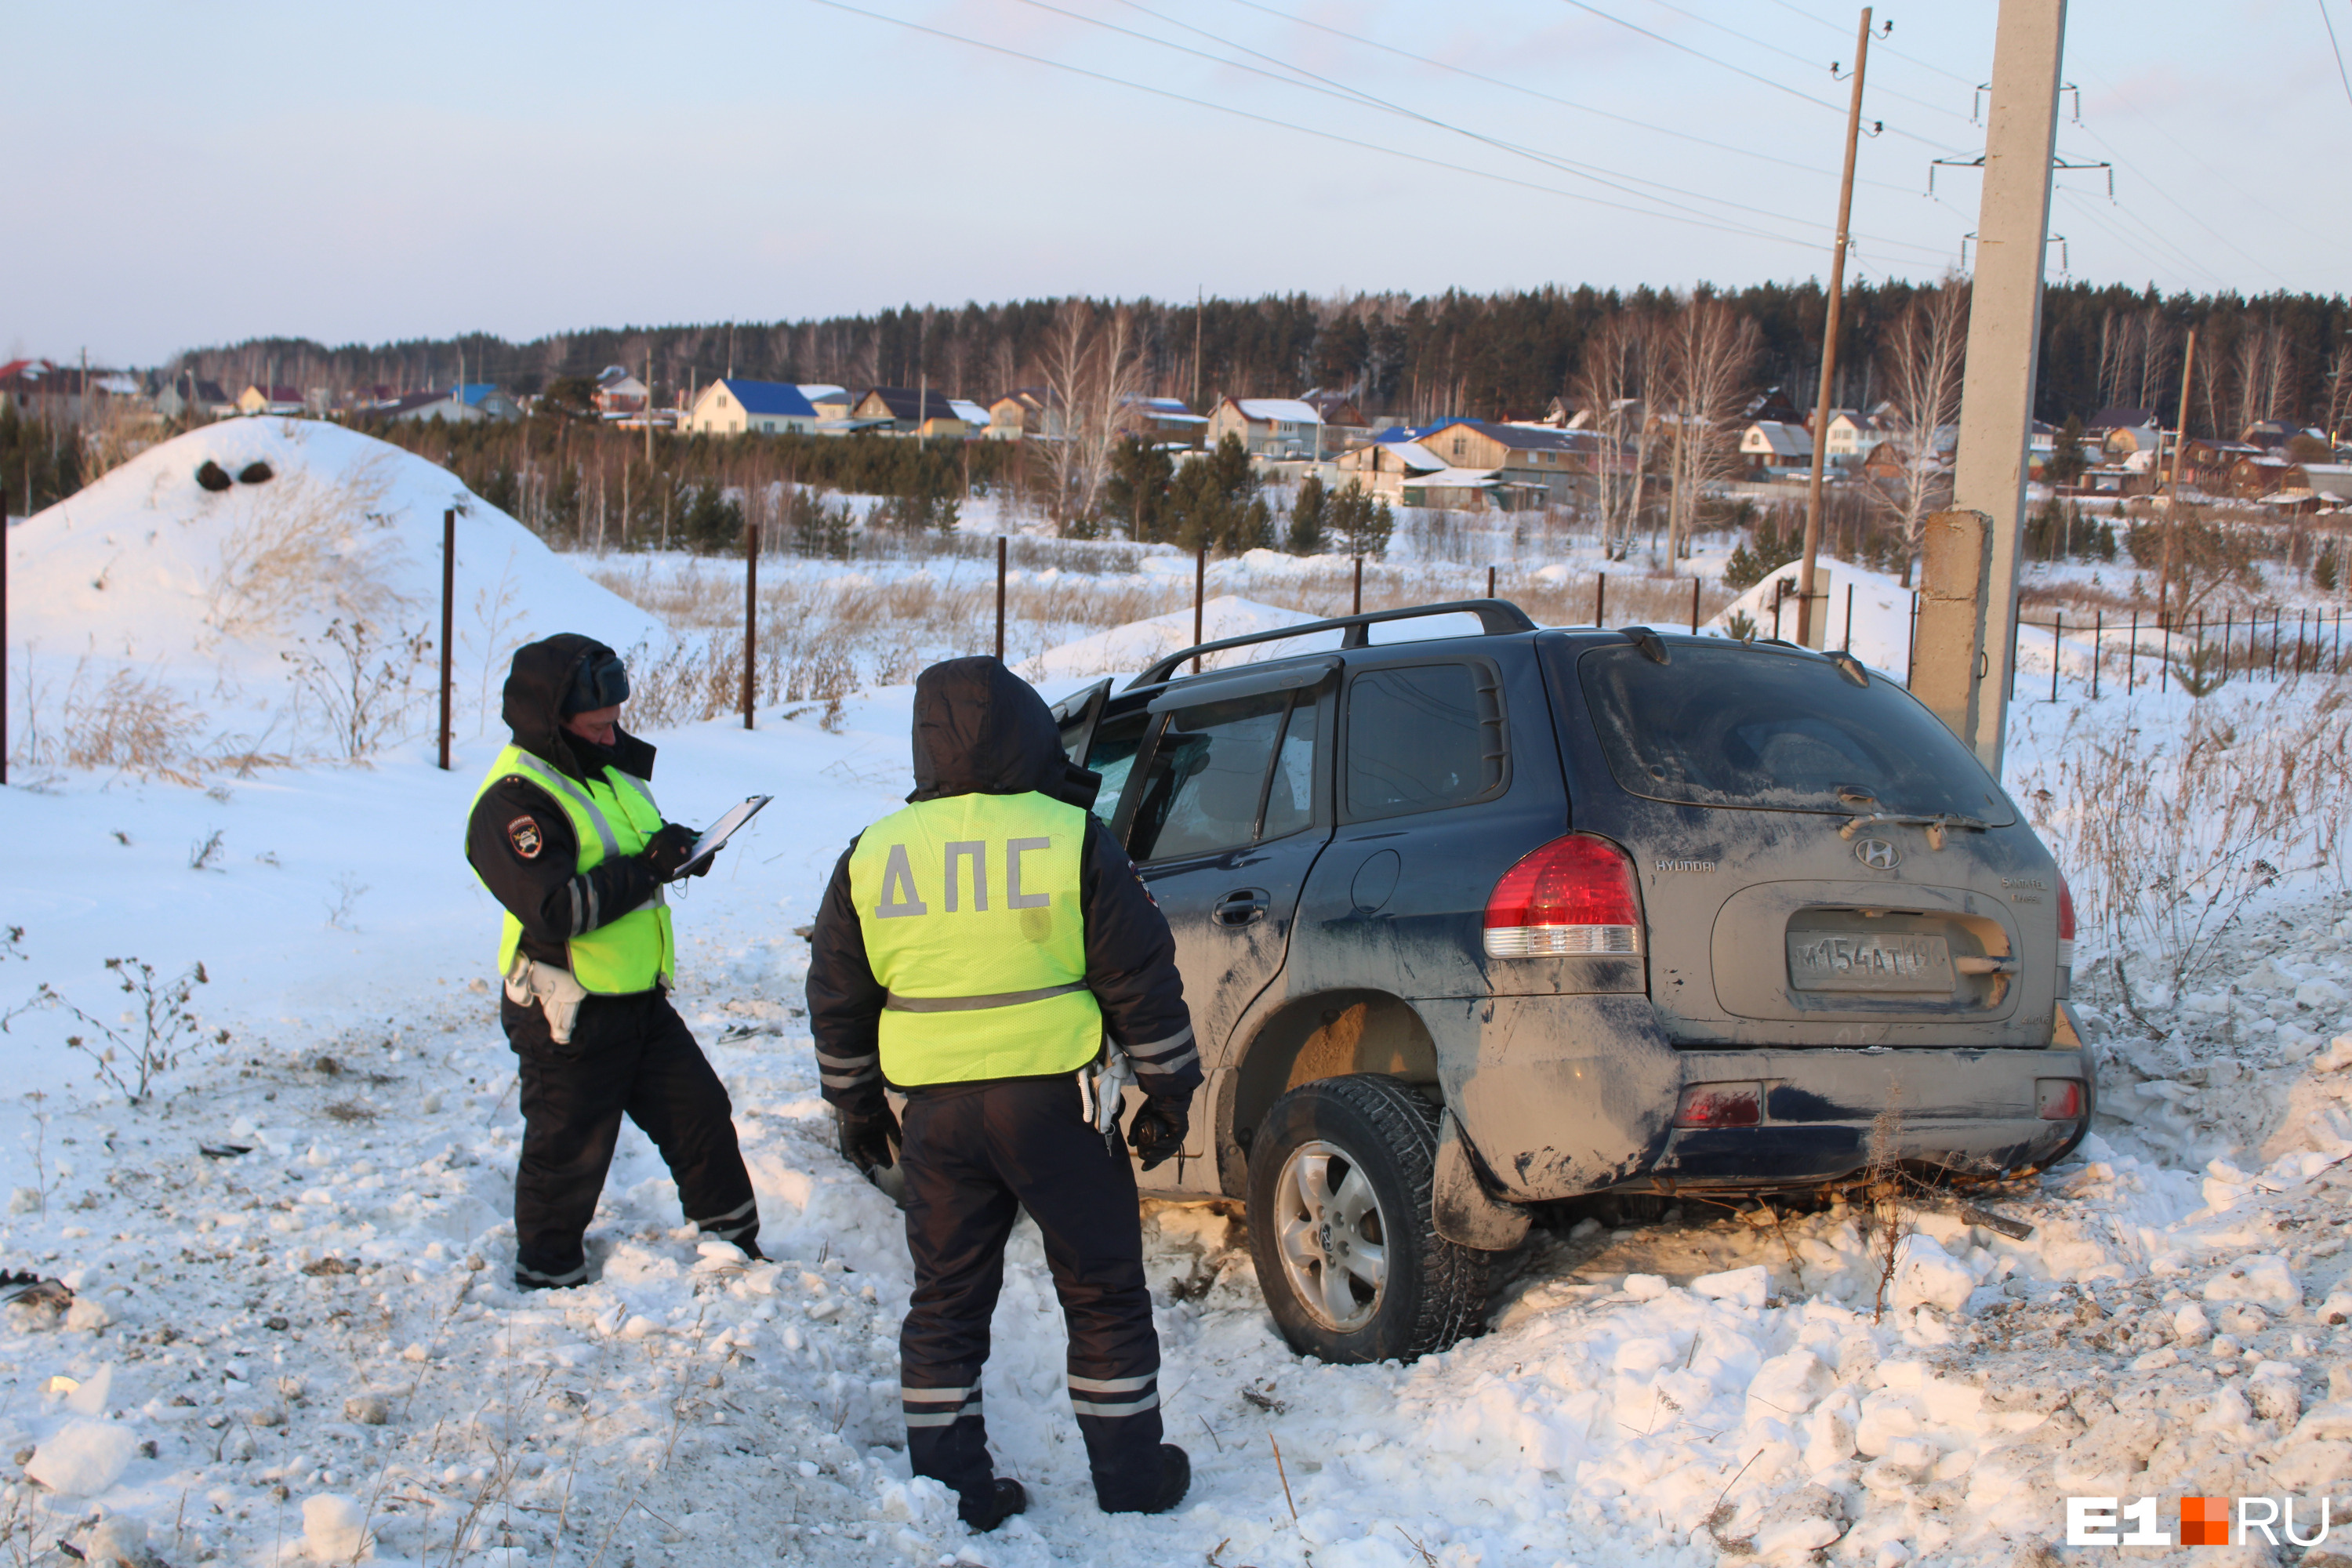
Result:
x=184 y=176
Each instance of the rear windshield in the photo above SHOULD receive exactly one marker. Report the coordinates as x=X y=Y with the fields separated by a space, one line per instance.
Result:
x=1741 y=726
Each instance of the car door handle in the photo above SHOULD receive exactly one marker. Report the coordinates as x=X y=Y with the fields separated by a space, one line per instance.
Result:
x=1239 y=907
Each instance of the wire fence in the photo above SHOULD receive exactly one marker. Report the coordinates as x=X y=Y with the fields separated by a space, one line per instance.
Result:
x=2198 y=655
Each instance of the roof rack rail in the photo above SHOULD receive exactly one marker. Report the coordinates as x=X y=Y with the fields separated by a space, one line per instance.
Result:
x=1496 y=618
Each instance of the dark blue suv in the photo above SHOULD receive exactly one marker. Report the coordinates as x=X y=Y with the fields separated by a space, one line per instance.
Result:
x=1504 y=915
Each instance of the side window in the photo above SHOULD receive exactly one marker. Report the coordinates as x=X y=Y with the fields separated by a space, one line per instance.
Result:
x=1423 y=737
x=1208 y=778
x=1112 y=754
x=1290 y=798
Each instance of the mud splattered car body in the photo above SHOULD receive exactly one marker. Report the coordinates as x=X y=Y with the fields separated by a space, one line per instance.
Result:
x=1625 y=909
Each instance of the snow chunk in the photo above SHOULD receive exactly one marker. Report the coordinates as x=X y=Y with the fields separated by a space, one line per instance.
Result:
x=334 y=1527
x=2263 y=1277
x=2339 y=1054
x=1788 y=1385
x=1646 y=1287
x=1800 y=1521
x=1741 y=1287
x=83 y=1458
x=1928 y=1275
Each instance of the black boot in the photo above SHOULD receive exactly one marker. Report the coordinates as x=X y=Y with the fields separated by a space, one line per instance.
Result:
x=1003 y=1498
x=1175 y=1480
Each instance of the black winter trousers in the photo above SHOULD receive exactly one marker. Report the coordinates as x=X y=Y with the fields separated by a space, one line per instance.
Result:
x=629 y=1056
x=974 y=1157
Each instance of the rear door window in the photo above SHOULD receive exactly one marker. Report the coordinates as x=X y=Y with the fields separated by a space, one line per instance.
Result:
x=1206 y=789
x=1739 y=726
x=1110 y=751
x=1421 y=737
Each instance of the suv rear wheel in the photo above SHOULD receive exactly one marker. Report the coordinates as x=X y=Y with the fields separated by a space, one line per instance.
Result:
x=1341 y=1229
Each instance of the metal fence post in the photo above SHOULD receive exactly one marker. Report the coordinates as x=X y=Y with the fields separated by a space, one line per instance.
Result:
x=1695 y=611
x=448 y=597
x=1600 y=604
x=750 y=616
x=2057 y=645
x=1000 y=601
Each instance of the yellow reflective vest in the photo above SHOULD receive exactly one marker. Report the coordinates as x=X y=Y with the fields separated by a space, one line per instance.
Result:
x=970 y=907
x=611 y=814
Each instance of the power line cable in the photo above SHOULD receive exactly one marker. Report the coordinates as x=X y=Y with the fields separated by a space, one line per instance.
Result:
x=1584 y=171
x=1720 y=228
x=2330 y=22
x=1742 y=70
x=1800 y=59
x=1876 y=47
x=1538 y=93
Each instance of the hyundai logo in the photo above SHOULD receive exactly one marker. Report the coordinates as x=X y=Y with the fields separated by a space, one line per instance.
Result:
x=1878 y=855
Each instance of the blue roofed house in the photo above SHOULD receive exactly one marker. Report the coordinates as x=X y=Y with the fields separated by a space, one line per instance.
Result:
x=733 y=407
x=470 y=404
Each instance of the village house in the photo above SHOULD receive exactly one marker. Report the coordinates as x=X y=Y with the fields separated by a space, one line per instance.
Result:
x=2206 y=462
x=1163 y=421
x=1774 y=448
x=1851 y=437
x=1562 y=463
x=189 y=396
x=619 y=394
x=732 y=406
x=830 y=402
x=271 y=400
x=471 y=404
x=906 y=411
x=1025 y=412
x=1385 y=468
x=1316 y=425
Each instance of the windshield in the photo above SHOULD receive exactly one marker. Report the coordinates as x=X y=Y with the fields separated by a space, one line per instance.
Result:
x=1734 y=725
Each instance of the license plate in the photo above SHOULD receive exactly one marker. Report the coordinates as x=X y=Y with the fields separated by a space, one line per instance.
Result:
x=1855 y=961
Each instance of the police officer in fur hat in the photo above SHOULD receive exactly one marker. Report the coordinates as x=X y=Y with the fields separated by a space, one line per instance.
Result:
x=565 y=835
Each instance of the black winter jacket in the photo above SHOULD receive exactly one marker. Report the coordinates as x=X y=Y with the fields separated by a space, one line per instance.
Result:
x=981 y=730
x=521 y=844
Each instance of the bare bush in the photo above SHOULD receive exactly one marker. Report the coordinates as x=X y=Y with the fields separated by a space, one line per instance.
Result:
x=2166 y=839
x=309 y=543
x=158 y=1030
x=362 y=685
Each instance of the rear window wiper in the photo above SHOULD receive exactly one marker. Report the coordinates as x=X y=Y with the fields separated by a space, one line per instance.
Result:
x=1936 y=825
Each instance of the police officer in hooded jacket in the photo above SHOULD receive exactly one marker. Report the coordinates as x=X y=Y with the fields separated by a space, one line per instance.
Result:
x=565 y=835
x=977 y=950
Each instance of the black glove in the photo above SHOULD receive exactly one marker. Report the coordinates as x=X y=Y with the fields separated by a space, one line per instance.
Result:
x=701 y=866
x=668 y=850
x=869 y=1141
x=1157 y=1129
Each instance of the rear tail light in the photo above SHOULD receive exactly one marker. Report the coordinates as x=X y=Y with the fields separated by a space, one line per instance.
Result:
x=1575 y=895
x=2059 y=1098
x=1721 y=1105
x=2065 y=924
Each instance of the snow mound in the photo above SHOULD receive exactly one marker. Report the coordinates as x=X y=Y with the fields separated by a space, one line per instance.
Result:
x=83 y=1458
x=1879 y=629
x=202 y=607
x=1135 y=645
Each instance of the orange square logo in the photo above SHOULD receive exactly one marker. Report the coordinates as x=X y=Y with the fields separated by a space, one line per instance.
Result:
x=2204 y=1522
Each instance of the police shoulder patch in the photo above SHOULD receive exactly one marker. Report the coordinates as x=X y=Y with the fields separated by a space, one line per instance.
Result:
x=524 y=834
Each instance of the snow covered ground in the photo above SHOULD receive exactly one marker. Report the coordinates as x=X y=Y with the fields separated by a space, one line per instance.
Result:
x=309 y=1349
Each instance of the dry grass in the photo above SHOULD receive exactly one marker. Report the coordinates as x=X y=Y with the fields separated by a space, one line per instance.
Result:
x=308 y=545
x=130 y=722
x=2166 y=840
x=822 y=637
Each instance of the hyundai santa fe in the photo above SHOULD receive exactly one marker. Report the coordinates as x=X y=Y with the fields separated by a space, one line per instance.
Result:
x=1476 y=922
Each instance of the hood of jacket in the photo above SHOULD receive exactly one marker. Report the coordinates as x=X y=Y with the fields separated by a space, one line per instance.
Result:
x=542 y=672
x=981 y=730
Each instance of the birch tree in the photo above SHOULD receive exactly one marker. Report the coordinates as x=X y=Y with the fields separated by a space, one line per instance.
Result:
x=1921 y=364
x=1093 y=370
x=1616 y=379
x=1709 y=350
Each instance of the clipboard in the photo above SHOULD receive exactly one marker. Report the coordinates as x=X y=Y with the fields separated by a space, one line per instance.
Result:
x=722 y=830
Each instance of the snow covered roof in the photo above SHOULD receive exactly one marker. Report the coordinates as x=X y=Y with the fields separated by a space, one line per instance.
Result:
x=1779 y=440
x=968 y=411
x=1284 y=410
x=1415 y=455
x=775 y=399
x=823 y=391
x=1457 y=480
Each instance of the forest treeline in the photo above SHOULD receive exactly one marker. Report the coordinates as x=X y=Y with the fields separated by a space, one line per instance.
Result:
x=1501 y=355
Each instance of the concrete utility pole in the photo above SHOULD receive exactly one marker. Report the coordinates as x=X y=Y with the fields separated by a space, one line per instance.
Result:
x=1806 y=592
x=2005 y=338
x=2172 y=509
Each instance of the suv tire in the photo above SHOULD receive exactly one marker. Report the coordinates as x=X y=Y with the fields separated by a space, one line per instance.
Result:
x=1341 y=1229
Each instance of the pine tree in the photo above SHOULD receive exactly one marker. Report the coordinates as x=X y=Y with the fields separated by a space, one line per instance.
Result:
x=1305 y=534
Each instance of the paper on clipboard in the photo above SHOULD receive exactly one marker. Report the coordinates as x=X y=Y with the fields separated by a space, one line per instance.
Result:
x=722 y=830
